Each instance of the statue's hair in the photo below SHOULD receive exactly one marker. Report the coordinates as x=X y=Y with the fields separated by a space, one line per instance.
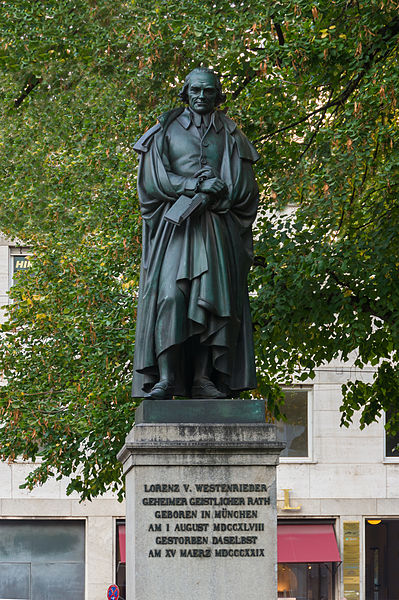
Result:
x=220 y=98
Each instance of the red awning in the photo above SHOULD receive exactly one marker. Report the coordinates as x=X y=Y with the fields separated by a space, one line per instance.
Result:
x=308 y=543
x=122 y=543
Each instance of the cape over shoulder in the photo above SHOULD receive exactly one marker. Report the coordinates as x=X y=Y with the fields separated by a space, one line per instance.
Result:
x=245 y=149
x=164 y=120
x=143 y=144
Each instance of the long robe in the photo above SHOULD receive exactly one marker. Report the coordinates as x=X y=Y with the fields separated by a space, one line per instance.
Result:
x=193 y=281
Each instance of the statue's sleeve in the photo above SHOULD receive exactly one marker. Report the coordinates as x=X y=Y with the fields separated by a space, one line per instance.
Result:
x=154 y=188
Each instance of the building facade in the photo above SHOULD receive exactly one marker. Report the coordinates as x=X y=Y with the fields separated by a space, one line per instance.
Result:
x=338 y=507
x=51 y=545
x=349 y=479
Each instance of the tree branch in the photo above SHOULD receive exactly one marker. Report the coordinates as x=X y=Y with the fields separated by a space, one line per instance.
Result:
x=251 y=76
x=374 y=219
x=360 y=188
x=248 y=78
x=33 y=82
x=279 y=32
x=293 y=124
x=316 y=129
x=386 y=33
x=354 y=299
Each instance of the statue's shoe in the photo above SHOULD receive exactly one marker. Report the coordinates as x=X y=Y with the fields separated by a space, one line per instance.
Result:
x=162 y=390
x=205 y=389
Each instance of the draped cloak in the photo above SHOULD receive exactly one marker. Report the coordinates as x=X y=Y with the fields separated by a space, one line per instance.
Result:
x=193 y=280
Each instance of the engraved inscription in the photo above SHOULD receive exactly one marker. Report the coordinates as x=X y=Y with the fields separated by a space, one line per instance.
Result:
x=219 y=525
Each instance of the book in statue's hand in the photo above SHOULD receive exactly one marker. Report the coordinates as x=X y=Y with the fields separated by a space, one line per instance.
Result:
x=184 y=207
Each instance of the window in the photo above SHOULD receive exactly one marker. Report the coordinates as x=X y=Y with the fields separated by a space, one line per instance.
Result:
x=42 y=559
x=391 y=445
x=382 y=550
x=391 y=442
x=295 y=431
x=306 y=581
x=19 y=261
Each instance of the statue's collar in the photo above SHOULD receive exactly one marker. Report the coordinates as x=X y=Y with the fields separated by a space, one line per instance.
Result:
x=187 y=117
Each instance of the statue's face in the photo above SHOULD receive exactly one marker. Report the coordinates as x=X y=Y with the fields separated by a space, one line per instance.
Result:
x=202 y=92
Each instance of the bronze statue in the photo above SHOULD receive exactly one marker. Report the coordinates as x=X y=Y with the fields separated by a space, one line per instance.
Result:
x=198 y=199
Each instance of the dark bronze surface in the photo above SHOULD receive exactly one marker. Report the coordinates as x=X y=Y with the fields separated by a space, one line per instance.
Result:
x=201 y=411
x=194 y=329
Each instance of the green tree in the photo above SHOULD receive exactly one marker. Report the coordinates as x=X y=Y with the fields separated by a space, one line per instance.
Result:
x=314 y=84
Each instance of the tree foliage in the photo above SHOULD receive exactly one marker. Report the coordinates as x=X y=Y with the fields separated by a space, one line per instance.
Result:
x=312 y=83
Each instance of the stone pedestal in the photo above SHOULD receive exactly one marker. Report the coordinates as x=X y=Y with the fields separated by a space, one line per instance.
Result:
x=201 y=503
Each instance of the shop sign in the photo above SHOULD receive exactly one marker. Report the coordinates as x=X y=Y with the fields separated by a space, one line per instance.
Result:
x=21 y=263
x=287 y=504
x=351 y=562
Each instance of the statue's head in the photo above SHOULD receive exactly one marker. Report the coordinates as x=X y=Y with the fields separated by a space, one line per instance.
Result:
x=202 y=90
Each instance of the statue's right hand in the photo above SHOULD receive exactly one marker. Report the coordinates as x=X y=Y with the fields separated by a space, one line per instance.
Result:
x=212 y=186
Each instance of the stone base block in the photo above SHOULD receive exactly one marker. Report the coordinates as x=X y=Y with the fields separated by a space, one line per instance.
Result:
x=201 y=511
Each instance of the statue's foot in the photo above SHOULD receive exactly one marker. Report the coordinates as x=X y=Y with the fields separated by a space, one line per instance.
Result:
x=162 y=390
x=205 y=388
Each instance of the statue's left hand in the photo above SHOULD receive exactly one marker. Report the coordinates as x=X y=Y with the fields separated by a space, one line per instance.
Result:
x=212 y=186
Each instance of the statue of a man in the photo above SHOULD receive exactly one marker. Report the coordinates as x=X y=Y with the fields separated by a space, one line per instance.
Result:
x=194 y=330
